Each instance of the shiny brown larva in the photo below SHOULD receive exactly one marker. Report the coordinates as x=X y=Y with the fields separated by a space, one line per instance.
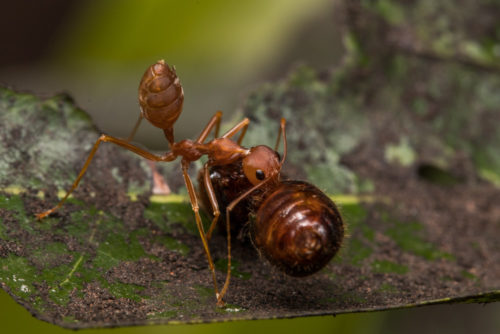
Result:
x=297 y=228
x=161 y=97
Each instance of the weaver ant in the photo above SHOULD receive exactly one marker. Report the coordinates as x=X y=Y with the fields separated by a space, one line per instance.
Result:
x=253 y=177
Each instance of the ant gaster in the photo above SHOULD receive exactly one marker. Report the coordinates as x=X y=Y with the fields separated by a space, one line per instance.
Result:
x=161 y=98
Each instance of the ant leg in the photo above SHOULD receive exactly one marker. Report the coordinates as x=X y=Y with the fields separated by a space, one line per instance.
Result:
x=214 y=121
x=136 y=126
x=217 y=125
x=243 y=125
x=242 y=134
x=209 y=189
x=199 y=225
x=228 y=231
x=120 y=142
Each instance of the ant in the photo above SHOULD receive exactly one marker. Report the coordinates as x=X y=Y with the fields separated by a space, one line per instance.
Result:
x=161 y=98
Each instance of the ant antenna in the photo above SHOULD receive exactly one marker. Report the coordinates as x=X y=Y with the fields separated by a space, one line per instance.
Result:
x=282 y=132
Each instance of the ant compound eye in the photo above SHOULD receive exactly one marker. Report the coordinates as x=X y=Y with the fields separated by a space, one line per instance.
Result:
x=259 y=174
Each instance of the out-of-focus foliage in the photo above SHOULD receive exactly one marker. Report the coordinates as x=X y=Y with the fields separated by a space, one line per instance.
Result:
x=197 y=36
x=219 y=48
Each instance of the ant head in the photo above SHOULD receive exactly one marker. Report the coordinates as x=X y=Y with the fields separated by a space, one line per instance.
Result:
x=261 y=163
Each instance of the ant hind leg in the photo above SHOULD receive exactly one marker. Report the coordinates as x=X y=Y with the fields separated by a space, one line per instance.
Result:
x=120 y=142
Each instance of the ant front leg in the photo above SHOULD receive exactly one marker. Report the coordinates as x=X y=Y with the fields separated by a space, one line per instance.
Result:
x=120 y=142
x=199 y=225
x=229 y=208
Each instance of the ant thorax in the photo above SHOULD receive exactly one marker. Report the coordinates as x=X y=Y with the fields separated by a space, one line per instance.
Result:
x=224 y=151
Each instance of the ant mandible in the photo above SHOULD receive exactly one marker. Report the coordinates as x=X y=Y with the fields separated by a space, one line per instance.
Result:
x=161 y=98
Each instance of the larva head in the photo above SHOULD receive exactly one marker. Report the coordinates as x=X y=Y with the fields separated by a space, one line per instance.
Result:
x=262 y=162
x=161 y=95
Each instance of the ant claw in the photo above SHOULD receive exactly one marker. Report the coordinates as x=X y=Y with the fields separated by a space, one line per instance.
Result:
x=220 y=303
x=42 y=215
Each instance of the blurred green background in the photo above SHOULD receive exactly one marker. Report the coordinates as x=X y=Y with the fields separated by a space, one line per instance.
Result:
x=98 y=50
